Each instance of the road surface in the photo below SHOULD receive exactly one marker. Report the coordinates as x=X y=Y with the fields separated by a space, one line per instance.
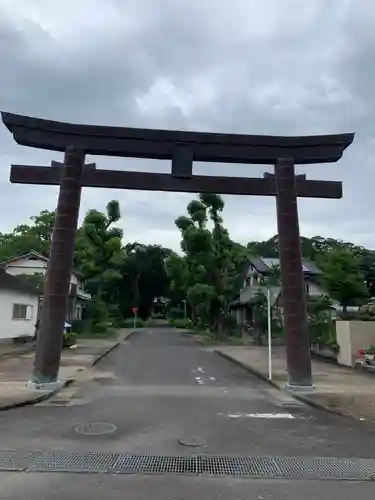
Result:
x=162 y=392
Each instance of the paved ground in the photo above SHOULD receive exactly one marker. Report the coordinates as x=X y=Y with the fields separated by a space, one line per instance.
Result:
x=159 y=387
x=341 y=389
x=16 y=367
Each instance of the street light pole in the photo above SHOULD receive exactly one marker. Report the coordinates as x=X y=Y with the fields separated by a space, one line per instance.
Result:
x=269 y=334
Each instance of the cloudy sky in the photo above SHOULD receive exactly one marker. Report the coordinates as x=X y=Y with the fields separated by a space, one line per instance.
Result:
x=287 y=67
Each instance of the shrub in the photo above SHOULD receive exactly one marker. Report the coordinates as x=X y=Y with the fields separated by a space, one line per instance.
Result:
x=97 y=311
x=158 y=316
x=69 y=339
x=79 y=325
x=230 y=325
x=129 y=323
x=176 y=313
x=115 y=315
x=100 y=327
x=181 y=323
x=333 y=345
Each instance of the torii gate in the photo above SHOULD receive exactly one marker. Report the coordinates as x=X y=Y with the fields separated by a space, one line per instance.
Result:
x=182 y=148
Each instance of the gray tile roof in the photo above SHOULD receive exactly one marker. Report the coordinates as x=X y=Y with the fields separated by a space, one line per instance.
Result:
x=9 y=282
x=264 y=264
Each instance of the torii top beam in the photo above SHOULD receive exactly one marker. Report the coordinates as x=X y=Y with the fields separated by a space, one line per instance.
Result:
x=165 y=144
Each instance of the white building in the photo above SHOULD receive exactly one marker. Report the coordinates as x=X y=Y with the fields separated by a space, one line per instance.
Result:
x=18 y=307
x=34 y=263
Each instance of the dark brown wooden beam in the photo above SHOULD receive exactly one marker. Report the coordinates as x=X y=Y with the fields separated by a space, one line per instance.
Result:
x=145 y=181
x=182 y=162
x=161 y=144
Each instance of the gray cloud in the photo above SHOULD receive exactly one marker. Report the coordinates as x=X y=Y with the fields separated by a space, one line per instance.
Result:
x=244 y=66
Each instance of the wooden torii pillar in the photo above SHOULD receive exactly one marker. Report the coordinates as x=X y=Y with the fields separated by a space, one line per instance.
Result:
x=182 y=148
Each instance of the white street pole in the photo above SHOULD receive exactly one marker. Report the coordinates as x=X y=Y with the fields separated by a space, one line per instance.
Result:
x=185 y=309
x=269 y=334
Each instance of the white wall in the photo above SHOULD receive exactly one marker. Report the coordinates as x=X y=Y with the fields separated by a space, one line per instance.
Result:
x=12 y=328
x=314 y=288
x=352 y=336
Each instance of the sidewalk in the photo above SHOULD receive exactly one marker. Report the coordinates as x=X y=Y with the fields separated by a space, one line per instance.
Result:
x=15 y=370
x=338 y=389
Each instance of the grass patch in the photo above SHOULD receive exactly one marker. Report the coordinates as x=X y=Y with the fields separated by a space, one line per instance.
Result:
x=110 y=333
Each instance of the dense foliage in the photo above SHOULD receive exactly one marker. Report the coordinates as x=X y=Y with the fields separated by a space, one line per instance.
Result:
x=209 y=272
x=200 y=281
x=118 y=276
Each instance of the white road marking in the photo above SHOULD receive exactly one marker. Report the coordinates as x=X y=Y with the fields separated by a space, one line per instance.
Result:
x=288 y=416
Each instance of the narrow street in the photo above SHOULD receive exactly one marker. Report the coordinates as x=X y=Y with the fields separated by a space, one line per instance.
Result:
x=168 y=396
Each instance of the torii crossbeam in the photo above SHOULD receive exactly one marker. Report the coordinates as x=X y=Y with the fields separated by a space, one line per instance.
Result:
x=182 y=148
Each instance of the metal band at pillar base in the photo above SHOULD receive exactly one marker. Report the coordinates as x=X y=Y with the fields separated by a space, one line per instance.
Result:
x=35 y=385
x=299 y=388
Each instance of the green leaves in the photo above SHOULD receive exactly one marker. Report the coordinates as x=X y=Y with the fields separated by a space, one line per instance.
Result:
x=208 y=273
x=342 y=277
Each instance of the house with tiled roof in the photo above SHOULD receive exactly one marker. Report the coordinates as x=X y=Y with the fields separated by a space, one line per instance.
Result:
x=18 y=307
x=262 y=270
x=33 y=263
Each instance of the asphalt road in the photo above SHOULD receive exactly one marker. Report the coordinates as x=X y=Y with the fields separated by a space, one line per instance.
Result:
x=160 y=388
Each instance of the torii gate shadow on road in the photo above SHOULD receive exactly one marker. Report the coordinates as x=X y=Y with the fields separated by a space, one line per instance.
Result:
x=182 y=148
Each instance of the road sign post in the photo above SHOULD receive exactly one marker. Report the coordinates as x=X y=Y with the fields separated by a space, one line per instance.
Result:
x=135 y=311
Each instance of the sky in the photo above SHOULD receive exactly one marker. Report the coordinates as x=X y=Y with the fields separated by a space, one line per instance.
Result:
x=283 y=67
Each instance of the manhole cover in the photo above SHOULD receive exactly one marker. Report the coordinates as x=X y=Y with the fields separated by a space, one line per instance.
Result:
x=95 y=428
x=192 y=441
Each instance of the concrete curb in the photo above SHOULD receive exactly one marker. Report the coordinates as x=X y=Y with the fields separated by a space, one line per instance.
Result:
x=44 y=397
x=112 y=348
x=39 y=399
x=104 y=354
x=248 y=368
x=298 y=397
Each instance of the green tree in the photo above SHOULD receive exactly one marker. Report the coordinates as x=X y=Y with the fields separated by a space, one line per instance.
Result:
x=342 y=277
x=99 y=254
x=28 y=237
x=144 y=277
x=208 y=273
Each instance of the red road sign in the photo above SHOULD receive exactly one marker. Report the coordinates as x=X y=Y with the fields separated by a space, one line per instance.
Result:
x=134 y=310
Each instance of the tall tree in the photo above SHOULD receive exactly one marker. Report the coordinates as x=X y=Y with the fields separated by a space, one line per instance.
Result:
x=25 y=238
x=144 y=277
x=99 y=253
x=208 y=273
x=342 y=277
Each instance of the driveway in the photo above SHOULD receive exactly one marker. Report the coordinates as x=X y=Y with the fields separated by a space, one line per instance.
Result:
x=167 y=396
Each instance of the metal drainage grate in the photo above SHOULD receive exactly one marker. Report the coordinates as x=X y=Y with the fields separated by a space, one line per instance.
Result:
x=95 y=428
x=72 y=462
x=8 y=460
x=212 y=465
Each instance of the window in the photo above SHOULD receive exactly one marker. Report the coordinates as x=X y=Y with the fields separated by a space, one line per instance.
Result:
x=22 y=311
x=307 y=288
